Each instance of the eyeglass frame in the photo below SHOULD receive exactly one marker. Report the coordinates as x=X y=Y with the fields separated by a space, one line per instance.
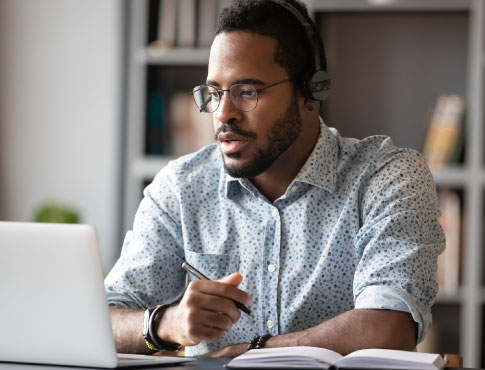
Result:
x=222 y=91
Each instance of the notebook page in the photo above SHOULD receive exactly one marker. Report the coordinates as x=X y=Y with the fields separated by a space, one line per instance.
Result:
x=303 y=357
x=394 y=358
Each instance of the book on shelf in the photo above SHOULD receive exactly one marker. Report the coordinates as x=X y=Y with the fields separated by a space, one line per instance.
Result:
x=448 y=272
x=186 y=20
x=166 y=23
x=185 y=24
x=190 y=130
x=444 y=140
x=222 y=4
x=321 y=358
x=457 y=155
x=430 y=342
x=156 y=128
x=206 y=25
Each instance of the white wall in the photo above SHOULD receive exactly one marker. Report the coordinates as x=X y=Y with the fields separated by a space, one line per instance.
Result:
x=60 y=71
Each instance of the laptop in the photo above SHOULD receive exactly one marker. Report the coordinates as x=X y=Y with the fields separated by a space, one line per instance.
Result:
x=53 y=306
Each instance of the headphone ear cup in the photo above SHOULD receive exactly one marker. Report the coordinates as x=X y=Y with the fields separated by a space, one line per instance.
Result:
x=317 y=86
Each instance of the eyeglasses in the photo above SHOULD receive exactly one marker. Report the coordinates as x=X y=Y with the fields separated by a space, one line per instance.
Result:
x=244 y=96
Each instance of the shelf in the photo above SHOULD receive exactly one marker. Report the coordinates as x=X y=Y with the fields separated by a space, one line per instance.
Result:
x=444 y=297
x=457 y=176
x=389 y=5
x=147 y=167
x=449 y=57
x=173 y=56
x=482 y=177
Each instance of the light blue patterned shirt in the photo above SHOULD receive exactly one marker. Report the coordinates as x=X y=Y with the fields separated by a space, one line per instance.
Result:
x=356 y=229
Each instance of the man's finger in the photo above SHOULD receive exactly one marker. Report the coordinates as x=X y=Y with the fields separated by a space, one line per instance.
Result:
x=217 y=288
x=233 y=279
x=215 y=304
x=212 y=319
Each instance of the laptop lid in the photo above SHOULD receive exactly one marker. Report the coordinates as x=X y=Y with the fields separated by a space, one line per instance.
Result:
x=54 y=308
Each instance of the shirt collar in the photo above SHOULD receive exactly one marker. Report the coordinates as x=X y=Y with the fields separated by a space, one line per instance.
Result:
x=320 y=168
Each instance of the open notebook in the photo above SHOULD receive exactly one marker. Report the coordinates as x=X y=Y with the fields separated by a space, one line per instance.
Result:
x=54 y=307
x=321 y=358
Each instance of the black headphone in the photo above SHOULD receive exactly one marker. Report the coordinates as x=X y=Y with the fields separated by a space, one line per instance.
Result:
x=316 y=86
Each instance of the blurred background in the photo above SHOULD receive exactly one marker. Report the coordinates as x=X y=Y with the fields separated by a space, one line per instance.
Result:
x=94 y=102
x=60 y=111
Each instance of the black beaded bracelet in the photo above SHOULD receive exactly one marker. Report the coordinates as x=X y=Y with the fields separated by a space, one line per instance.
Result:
x=253 y=343
x=262 y=340
x=259 y=341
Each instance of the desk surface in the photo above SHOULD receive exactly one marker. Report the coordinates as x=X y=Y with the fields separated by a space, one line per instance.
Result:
x=201 y=364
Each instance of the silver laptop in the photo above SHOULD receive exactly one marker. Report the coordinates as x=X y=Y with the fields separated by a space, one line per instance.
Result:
x=53 y=306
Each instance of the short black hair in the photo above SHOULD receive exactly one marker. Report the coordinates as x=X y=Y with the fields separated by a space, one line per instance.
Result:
x=294 y=51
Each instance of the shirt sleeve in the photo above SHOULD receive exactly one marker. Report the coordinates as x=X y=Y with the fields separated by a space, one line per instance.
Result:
x=151 y=252
x=400 y=238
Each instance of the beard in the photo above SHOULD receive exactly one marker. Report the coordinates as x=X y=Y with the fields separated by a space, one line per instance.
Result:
x=282 y=135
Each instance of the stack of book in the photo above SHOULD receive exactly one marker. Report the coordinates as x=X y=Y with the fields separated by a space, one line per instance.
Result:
x=448 y=272
x=186 y=24
x=175 y=126
x=445 y=138
x=190 y=130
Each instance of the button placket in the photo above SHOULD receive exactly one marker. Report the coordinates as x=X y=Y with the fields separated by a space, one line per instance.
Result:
x=270 y=279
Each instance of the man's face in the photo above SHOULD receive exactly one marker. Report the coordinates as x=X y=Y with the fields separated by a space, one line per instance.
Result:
x=252 y=142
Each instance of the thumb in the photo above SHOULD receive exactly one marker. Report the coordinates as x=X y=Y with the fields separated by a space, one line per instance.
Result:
x=233 y=279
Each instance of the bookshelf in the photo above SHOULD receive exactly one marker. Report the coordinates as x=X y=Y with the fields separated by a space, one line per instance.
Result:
x=388 y=60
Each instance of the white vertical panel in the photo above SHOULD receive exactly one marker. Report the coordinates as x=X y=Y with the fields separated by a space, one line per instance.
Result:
x=59 y=110
x=471 y=327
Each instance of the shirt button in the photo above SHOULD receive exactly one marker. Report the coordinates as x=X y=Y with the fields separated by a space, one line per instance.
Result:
x=294 y=188
x=271 y=268
x=269 y=323
x=275 y=212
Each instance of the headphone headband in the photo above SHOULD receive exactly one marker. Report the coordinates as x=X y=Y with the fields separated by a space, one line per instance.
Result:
x=316 y=86
x=308 y=28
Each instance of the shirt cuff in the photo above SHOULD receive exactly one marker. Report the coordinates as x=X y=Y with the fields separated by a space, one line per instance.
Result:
x=122 y=300
x=387 y=298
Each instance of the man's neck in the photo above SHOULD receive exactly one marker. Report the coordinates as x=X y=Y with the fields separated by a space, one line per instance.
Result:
x=274 y=182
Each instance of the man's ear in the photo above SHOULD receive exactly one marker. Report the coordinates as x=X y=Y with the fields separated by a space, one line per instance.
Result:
x=309 y=104
x=310 y=107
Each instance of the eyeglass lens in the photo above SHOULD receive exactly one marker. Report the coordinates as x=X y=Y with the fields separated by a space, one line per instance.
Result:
x=207 y=98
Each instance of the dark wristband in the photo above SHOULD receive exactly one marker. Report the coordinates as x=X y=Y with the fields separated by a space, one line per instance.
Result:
x=154 y=342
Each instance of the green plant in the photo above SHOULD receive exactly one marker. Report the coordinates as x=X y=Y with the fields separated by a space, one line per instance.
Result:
x=56 y=213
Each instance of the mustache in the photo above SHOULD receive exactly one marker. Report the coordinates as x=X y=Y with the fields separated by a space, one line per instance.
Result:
x=230 y=126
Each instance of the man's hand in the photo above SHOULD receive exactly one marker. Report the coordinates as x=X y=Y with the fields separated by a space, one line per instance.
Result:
x=205 y=312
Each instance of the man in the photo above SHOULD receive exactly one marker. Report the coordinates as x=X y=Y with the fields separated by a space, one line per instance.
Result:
x=331 y=241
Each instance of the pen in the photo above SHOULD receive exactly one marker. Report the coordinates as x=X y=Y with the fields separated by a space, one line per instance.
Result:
x=201 y=276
